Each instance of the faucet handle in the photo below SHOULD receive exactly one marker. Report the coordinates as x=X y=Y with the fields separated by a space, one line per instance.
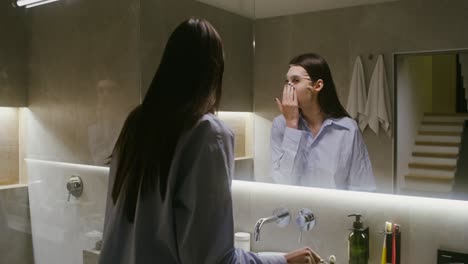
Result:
x=305 y=221
x=283 y=217
x=74 y=186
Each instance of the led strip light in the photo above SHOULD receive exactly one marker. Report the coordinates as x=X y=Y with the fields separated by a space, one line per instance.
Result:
x=33 y=3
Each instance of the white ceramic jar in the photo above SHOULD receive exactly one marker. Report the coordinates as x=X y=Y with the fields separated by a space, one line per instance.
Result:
x=242 y=240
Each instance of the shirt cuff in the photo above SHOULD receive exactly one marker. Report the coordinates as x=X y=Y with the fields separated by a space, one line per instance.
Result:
x=291 y=139
x=273 y=259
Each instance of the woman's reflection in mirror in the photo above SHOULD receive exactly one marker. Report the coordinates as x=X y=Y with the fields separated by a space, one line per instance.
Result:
x=314 y=142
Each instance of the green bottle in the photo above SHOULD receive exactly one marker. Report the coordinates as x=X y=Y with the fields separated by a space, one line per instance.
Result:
x=358 y=242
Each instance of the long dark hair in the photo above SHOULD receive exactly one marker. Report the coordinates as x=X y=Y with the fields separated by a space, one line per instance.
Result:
x=318 y=68
x=186 y=86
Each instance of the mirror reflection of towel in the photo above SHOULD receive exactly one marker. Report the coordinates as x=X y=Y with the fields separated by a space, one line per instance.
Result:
x=377 y=110
x=357 y=95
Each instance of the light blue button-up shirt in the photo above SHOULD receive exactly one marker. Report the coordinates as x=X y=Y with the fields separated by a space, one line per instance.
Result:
x=194 y=224
x=335 y=158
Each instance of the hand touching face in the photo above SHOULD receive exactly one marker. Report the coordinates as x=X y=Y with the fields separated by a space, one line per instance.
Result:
x=296 y=92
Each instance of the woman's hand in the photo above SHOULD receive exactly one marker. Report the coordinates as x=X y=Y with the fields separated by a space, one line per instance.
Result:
x=303 y=255
x=289 y=107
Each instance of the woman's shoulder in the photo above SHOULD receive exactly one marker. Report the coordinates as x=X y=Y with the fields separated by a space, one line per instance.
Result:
x=209 y=124
x=208 y=131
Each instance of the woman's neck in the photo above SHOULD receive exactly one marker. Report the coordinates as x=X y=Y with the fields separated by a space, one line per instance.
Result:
x=314 y=117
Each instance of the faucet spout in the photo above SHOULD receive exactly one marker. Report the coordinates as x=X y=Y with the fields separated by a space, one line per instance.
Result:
x=259 y=225
x=280 y=216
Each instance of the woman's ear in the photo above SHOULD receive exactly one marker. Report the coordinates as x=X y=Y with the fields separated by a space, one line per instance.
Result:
x=318 y=85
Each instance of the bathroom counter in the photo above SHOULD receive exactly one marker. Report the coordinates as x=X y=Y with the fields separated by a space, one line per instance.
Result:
x=90 y=256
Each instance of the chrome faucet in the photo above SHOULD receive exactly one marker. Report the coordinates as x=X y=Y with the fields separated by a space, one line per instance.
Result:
x=280 y=215
x=74 y=186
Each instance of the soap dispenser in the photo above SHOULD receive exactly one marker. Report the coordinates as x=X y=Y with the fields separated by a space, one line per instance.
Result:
x=358 y=242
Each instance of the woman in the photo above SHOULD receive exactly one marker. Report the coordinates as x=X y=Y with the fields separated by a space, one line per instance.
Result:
x=315 y=142
x=169 y=197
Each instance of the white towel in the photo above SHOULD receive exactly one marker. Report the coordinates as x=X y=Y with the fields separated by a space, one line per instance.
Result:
x=357 y=94
x=378 y=108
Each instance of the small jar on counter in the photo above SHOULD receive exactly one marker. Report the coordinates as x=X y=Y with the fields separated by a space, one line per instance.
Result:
x=242 y=240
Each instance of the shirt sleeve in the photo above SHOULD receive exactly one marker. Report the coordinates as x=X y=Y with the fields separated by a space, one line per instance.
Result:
x=203 y=207
x=285 y=144
x=361 y=177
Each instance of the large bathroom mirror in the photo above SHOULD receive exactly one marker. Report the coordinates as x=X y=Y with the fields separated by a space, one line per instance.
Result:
x=78 y=100
x=383 y=34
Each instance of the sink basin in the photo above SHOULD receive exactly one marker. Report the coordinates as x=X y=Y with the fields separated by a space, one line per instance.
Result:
x=271 y=253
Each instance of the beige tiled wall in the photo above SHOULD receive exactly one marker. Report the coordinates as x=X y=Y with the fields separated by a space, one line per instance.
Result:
x=241 y=124
x=159 y=18
x=89 y=60
x=13 y=55
x=9 y=146
x=84 y=78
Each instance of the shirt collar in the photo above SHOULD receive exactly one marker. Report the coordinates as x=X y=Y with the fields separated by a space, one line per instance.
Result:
x=329 y=121
x=342 y=122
